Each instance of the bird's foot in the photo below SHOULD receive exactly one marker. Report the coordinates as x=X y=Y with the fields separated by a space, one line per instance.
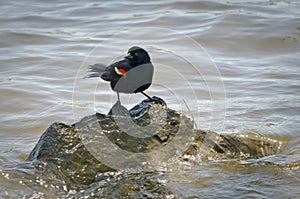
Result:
x=118 y=109
x=155 y=100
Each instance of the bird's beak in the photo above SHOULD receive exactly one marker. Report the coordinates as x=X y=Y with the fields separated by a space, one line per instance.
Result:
x=129 y=57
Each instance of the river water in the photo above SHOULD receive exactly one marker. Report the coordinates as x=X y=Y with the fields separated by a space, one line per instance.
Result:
x=235 y=64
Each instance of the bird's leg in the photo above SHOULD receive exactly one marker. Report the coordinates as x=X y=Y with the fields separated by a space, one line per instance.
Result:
x=118 y=97
x=147 y=96
x=118 y=109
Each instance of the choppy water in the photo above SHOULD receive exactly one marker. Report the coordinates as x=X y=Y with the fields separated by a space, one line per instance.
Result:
x=46 y=46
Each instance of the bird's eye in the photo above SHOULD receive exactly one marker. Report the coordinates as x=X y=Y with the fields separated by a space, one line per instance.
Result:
x=136 y=54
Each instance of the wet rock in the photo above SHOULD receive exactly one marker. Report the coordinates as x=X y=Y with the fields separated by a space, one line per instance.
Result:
x=213 y=146
x=66 y=151
x=60 y=154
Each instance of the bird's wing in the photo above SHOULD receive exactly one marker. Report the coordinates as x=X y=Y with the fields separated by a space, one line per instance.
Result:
x=96 y=70
x=124 y=64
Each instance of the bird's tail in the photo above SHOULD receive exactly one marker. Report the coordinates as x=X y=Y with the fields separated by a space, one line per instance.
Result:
x=96 y=70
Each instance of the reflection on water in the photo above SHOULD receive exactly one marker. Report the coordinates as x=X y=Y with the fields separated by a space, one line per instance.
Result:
x=255 y=45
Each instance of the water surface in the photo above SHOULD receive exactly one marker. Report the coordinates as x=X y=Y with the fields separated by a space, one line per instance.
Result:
x=46 y=46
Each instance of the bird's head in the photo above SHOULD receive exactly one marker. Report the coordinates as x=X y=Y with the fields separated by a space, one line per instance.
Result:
x=138 y=55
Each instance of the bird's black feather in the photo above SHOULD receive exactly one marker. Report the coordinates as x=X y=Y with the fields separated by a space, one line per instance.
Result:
x=138 y=67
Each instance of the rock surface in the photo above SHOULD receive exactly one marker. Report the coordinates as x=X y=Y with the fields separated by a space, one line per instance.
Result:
x=62 y=152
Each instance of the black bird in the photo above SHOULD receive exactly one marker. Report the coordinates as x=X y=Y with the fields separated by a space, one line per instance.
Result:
x=133 y=74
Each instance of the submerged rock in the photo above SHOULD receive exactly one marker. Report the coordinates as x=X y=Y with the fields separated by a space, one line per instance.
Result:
x=149 y=132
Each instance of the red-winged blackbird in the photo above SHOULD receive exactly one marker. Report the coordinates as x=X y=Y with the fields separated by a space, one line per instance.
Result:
x=133 y=74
